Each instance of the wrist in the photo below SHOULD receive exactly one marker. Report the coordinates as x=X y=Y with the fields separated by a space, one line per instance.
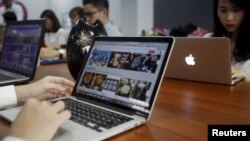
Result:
x=61 y=53
x=22 y=93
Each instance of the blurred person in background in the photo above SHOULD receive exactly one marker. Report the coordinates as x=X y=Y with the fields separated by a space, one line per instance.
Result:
x=11 y=6
x=55 y=36
x=232 y=20
x=99 y=9
x=75 y=14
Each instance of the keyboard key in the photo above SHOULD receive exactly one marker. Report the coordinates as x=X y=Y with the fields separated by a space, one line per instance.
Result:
x=93 y=117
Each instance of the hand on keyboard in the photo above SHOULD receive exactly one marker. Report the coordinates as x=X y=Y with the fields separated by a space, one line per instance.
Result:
x=238 y=72
x=39 y=120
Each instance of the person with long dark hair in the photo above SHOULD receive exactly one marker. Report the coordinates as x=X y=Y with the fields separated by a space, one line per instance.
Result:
x=13 y=10
x=232 y=20
x=55 y=36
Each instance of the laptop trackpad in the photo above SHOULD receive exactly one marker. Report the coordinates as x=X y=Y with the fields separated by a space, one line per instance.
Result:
x=63 y=134
x=70 y=131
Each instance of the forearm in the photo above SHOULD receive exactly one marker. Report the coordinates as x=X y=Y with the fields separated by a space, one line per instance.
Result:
x=22 y=93
x=48 y=53
x=7 y=96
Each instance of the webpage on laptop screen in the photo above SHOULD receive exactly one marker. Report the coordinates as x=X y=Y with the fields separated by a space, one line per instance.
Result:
x=20 y=47
x=124 y=73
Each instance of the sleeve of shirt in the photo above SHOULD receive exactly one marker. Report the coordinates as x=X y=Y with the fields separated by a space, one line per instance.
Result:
x=62 y=36
x=19 y=12
x=207 y=35
x=112 y=30
x=9 y=138
x=7 y=96
x=246 y=66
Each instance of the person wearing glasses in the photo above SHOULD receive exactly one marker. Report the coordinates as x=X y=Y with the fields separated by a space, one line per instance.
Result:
x=99 y=9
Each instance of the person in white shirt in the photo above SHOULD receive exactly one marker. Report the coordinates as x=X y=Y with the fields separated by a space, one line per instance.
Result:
x=232 y=20
x=40 y=118
x=46 y=88
x=99 y=9
x=11 y=6
x=55 y=36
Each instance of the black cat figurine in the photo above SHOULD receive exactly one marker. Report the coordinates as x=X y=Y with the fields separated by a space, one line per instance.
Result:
x=79 y=42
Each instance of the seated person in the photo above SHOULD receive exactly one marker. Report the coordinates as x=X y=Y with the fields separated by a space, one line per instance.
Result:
x=75 y=14
x=46 y=88
x=46 y=117
x=11 y=6
x=99 y=9
x=55 y=37
x=232 y=20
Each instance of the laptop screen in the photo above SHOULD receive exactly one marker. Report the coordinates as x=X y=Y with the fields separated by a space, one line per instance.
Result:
x=124 y=72
x=20 y=48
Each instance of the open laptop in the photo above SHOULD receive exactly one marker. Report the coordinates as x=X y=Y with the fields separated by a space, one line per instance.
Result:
x=2 y=31
x=20 y=51
x=201 y=59
x=116 y=89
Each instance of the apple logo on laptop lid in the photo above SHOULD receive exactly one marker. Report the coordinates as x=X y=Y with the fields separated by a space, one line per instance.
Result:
x=190 y=60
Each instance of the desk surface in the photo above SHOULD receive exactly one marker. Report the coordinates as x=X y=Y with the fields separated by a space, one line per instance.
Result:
x=183 y=109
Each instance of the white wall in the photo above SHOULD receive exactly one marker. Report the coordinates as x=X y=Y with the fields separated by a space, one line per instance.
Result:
x=131 y=16
x=35 y=8
x=145 y=17
x=60 y=7
x=136 y=16
x=115 y=12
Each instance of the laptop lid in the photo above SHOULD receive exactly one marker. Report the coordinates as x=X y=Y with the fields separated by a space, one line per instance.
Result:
x=21 y=46
x=2 y=31
x=124 y=72
x=201 y=59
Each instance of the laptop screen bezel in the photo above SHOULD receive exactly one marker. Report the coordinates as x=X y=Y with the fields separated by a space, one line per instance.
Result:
x=27 y=22
x=168 y=40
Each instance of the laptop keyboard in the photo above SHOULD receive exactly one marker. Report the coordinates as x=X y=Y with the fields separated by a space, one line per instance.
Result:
x=93 y=117
x=5 y=77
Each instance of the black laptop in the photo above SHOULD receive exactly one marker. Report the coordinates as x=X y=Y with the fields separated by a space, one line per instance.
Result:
x=20 y=51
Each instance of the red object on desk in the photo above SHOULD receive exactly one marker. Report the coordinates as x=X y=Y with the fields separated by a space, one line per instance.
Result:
x=43 y=44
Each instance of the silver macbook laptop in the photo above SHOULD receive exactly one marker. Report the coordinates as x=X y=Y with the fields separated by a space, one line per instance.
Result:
x=201 y=59
x=20 y=51
x=116 y=89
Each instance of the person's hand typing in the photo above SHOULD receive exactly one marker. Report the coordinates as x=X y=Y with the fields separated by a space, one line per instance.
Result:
x=236 y=72
x=38 y=121
x=46 y=88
